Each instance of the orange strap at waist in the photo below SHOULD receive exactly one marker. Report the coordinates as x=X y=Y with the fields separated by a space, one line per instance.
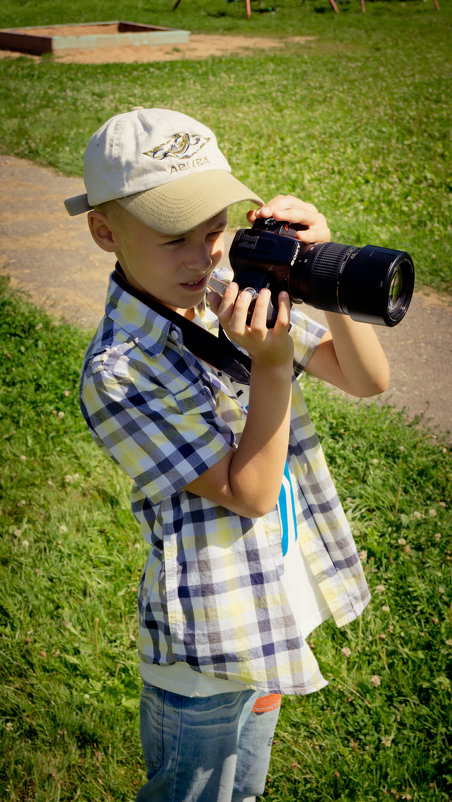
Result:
x=266 y=703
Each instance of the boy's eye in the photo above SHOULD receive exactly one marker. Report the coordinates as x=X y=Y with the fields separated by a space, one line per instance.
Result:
x=174 y=241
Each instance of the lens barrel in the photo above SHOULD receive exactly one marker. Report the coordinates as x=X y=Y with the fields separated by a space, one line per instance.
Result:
x=371 y=284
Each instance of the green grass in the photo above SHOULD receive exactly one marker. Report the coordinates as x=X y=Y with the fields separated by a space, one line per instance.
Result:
x=71 y=556
x=356 y=121
x=71 y=559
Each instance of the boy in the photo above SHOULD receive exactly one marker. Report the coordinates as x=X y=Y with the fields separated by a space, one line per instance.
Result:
x=249 y=547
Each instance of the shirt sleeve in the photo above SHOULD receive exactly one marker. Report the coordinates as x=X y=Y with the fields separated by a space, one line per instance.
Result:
x=306 y=334
x=162 y=440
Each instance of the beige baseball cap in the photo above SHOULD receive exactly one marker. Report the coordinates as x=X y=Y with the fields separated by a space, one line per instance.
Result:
x=164 y=167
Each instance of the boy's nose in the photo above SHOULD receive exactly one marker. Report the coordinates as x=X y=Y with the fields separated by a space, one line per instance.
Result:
x=200 y=256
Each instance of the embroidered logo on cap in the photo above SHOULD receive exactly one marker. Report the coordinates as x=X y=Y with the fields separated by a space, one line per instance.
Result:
x=181 y=146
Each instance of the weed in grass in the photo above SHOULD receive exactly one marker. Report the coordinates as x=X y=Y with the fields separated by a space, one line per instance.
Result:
x=71 y=558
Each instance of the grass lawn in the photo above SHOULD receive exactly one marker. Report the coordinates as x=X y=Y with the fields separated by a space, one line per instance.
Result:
x=71 y=557
x=356 y=122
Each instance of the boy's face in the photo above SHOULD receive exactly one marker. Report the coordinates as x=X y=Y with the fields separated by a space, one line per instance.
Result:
x=172 y=269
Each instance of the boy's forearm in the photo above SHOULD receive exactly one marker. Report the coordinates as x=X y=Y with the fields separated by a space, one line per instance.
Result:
x=257 y=466
x=361 y=367
x=248 y=479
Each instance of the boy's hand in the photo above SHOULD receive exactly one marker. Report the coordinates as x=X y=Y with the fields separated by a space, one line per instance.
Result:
x=293 y=210
x=266 y=347
x=349 y=355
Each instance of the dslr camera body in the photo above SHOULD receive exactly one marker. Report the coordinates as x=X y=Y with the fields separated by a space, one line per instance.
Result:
x=370 y=284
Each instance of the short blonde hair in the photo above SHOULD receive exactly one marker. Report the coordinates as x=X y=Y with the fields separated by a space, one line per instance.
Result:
x=108 y=207
x=114 y=212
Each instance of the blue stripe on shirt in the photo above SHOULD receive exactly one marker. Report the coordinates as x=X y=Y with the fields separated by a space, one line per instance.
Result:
x=286 y=498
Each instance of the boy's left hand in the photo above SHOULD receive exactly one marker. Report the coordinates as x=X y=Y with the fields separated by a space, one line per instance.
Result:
x=349 y=356
x=293 y=210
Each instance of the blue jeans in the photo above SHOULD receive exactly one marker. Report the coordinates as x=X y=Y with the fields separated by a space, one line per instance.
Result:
x=208 y=749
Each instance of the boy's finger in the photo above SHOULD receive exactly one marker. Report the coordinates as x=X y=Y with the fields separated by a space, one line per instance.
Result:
x=214 y=300
x=226 y=306
x=259 y=316
x=318 y=231
x=239 y=317
x=283 y=318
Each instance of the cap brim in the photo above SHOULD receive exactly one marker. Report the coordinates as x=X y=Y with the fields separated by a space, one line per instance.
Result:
x=77 y=205
x=180 y=205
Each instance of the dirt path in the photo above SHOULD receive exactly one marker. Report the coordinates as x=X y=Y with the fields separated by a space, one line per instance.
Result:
x=53 y=258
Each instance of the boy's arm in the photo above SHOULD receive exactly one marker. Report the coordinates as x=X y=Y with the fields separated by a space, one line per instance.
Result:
x=350 y=357
x=248 y=480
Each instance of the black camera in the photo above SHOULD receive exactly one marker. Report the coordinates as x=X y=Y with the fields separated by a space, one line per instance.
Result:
x=371 y=284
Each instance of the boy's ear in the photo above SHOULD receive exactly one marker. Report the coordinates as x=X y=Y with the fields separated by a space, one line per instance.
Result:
x=101 y=231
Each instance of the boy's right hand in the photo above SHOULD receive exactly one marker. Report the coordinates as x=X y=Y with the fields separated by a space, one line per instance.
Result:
x=267 y=347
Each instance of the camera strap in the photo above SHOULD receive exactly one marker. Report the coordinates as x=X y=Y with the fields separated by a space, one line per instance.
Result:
x=219 y=352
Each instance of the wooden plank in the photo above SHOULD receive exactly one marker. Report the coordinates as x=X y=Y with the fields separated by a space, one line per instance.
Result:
x=28 y=40
x=96 y=42
x=25 y=43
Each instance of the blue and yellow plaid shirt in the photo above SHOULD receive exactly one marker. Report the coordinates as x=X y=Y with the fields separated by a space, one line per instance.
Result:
x=211 y=594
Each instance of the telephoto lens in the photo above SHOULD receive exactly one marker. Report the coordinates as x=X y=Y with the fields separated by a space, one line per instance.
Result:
x=370 y=284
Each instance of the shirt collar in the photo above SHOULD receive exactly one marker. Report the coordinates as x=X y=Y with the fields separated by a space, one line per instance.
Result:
x=142 y=324
x=150 y=324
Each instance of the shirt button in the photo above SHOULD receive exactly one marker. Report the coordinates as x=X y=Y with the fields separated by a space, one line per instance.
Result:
x=174 y=335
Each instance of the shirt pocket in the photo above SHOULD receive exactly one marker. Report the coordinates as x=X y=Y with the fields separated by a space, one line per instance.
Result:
x=196 y=399
x=151 y=727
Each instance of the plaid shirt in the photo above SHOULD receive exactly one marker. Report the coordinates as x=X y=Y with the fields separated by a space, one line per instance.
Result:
x=211 y=593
